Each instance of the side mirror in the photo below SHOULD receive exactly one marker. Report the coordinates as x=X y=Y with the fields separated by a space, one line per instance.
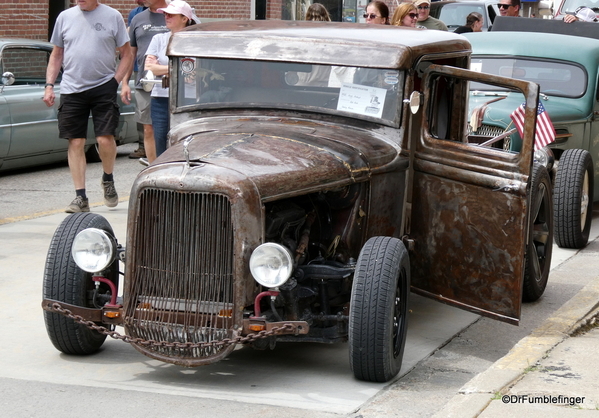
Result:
x=414 y=102
x=148 y=81
x=8 y=78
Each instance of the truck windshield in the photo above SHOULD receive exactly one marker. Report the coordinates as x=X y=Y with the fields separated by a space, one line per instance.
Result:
x=561 y=79
x=358 y=92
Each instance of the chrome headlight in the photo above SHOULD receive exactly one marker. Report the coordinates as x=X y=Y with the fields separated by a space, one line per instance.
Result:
x=271 y=264
x=93 y=250
x=545 y=157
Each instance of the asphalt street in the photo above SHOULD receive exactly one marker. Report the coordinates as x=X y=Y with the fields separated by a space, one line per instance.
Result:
x=447 y=349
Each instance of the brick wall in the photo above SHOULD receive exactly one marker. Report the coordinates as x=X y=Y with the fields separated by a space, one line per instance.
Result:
x=29 y=18
x=24 y=19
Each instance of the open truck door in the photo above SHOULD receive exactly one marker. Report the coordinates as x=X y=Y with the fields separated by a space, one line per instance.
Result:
x=469 y=203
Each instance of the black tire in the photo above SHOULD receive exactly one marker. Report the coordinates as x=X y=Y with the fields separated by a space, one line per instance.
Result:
x=378 y=310
x=93 y=154
x=540 y=245
x=66 y=282
x=573 y=198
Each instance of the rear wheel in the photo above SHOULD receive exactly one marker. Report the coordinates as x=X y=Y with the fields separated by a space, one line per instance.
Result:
x=540 y=245
x=65 y=282
x=378 y=310
x=573 y=198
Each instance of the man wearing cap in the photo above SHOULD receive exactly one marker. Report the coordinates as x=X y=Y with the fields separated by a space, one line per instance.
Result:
x=509 y=7
x=583 y=14
x=86 y=38
x=141 y=31
x=424 y=8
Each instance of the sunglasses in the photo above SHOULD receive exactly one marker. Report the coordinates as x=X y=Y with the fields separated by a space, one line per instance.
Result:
x=371 y=15
x=413 y=15
x=423 y=7
x=503 y=6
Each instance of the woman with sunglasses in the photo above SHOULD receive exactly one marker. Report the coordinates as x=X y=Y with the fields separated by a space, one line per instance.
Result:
x=178 y=15
x=474 y=23
x=406 y=14
x=377 y=13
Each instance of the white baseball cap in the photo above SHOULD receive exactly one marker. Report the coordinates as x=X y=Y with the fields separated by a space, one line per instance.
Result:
x=585 y=14
x=180 y=7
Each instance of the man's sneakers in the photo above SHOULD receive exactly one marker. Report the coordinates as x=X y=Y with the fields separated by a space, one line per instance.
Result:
x=111 y=198
x=79 y=204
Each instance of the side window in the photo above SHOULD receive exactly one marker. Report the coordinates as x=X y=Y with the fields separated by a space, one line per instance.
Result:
x=493 y=117
x=446 y=112
x=27 y=65
x=477 y=114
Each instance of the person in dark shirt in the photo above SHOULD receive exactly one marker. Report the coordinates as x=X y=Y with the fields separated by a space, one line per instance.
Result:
x=474 y=23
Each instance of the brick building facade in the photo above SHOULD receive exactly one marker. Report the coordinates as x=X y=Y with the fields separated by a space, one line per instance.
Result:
x=33 y=19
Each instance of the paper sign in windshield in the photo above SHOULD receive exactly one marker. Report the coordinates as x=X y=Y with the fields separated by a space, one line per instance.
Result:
x=364 y=100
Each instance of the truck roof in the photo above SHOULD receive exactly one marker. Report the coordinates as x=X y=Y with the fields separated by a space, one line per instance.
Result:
x=333 y=43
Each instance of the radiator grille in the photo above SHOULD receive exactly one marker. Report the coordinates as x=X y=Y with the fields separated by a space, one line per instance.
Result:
x=181 y=289
x=486 y=132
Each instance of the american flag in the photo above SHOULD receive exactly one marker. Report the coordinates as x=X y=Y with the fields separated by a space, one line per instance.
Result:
x=544 y=132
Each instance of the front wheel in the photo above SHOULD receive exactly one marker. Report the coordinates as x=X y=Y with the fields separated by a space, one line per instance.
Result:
x=573 y=198
x=65 y=282
x=540 y=242
x=378 y=310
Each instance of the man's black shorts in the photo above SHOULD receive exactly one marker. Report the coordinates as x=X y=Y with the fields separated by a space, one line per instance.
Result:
x=74 y=109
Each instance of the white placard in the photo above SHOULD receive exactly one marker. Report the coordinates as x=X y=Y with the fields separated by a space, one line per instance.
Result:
x=364 y=100
x=476 y=66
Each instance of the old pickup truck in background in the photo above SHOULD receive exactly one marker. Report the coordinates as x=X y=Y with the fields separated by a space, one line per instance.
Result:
x=316 y=174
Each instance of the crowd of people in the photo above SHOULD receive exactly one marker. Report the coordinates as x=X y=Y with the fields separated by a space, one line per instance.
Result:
x=86 y=37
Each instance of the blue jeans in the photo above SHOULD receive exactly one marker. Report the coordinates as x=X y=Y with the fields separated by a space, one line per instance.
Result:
x=160 y=122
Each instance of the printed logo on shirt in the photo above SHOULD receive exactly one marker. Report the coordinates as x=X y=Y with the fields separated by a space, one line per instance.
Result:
x=99 y=27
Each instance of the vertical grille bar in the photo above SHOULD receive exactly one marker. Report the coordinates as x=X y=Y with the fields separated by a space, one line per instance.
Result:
x=181 y=289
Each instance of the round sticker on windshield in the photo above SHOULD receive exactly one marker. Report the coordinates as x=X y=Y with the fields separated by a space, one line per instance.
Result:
x=187 y=65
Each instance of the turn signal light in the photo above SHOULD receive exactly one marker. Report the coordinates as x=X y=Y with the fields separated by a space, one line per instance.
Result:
x=257 y=327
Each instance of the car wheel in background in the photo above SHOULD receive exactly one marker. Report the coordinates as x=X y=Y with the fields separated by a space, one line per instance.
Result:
x=65 y=282
x=92 y=155
x=573 y=198
x=378 y=310
x=540 y=244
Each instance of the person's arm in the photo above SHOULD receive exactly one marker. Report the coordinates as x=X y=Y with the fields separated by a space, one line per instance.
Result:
x=125 y=89
x=54 y=65
x=152 y=65
x=125 y=63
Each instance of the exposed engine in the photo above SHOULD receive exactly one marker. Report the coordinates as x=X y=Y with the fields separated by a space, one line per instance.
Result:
x=314 y=229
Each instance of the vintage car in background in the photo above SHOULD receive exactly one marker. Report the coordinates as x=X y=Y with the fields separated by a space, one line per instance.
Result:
x=28 y=128
x=317 y=172
x=569 y=92
x=454 y=12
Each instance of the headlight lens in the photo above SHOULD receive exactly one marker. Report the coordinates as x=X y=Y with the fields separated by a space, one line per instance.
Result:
x=271 y=264
x=545 y=157
x=93 y=250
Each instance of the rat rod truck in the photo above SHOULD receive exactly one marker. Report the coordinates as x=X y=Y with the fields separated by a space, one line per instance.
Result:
x=316 y=174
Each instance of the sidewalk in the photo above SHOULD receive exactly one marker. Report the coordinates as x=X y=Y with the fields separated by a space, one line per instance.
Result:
x=550 y=373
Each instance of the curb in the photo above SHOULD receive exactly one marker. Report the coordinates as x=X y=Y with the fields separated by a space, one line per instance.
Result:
x=477 y=394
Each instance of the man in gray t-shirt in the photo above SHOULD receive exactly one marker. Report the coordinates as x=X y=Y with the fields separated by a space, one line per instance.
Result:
x=86 y=38
x=141 y=31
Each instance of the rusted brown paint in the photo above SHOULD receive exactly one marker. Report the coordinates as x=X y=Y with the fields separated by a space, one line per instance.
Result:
x=350 y=44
